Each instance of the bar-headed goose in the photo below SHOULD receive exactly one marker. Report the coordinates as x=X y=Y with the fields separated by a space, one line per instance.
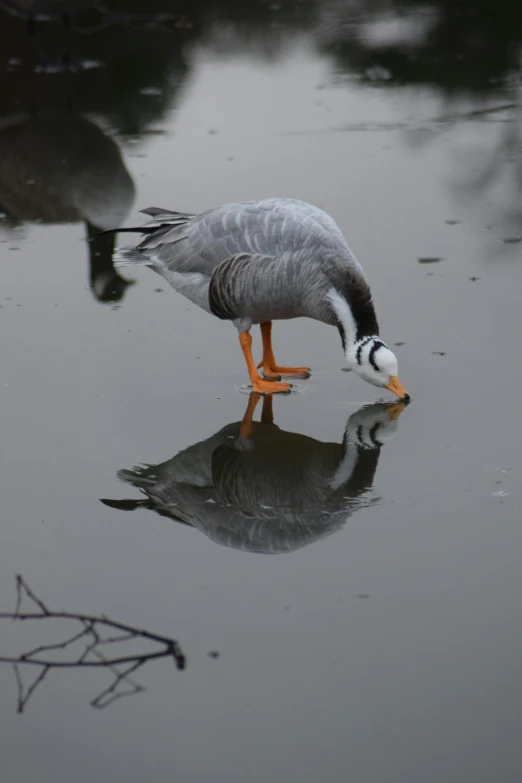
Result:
x=260 y=261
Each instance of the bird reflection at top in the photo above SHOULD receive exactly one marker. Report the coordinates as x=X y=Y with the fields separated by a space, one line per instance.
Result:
x=258 y=488
x=59 y=160
x=58 y=168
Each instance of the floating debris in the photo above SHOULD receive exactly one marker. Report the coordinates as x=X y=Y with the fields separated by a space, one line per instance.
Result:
x=453 y=222
x=429 y=260
x=511 y=240
x=439 y=353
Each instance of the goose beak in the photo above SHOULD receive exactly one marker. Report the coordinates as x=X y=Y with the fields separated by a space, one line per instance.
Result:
x=395 y=386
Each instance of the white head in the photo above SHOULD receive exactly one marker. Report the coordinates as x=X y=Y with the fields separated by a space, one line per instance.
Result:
x=369 y=357
x=373 y=361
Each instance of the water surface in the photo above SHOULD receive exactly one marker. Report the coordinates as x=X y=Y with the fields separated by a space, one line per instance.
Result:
x=372 y=631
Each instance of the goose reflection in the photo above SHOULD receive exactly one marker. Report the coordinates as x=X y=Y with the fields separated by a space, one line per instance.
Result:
x=60 y=168
x=255 y=487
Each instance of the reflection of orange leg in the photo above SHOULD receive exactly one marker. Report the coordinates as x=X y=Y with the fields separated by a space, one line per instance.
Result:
x=268 y=363
x=258 y=384
x=267 y=414
x=246 y=425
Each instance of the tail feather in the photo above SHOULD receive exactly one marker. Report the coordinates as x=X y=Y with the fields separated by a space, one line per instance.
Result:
x=161 y=219
x=139 y=476
x=125 y=505
x=136 y=230
x=123 y=256
x=155 y=211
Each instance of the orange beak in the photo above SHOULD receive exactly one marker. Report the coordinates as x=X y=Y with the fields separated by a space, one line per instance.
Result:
x=395 y=386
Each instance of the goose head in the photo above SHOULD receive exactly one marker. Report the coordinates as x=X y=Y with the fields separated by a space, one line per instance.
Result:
x=373 y=361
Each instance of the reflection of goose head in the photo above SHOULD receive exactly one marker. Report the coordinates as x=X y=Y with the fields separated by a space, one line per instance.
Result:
x=106 y=284
x=256 y=487
x=64 y=169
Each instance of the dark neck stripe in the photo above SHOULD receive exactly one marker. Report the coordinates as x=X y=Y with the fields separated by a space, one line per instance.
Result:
x=343 y=335
x=357 y=293
x=351 y=285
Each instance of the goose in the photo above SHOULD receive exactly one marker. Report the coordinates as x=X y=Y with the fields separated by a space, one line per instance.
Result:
x=258 y=488
x=259 y=261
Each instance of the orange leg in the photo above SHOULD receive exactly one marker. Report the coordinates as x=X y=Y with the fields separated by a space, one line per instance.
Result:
x=258 y=384
x=268 y=363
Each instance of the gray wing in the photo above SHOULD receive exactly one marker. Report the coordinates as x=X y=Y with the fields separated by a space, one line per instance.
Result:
x=270 y=227
x=261 y=288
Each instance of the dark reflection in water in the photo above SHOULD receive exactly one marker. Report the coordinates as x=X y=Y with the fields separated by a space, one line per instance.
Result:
x=131 y=59
x=59 y=168
x=469 y=53
x=461 y=47
x=255 y=487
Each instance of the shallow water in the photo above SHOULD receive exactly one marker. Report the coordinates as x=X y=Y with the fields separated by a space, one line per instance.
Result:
x=379 y=637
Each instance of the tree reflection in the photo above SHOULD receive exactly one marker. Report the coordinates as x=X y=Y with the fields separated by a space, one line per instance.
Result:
x=135 y=57
x=469 y=46
x=468 y=53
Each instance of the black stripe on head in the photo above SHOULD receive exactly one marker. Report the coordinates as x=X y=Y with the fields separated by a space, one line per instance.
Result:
x=373 y=432
x=371 y=358
x=359 y=349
